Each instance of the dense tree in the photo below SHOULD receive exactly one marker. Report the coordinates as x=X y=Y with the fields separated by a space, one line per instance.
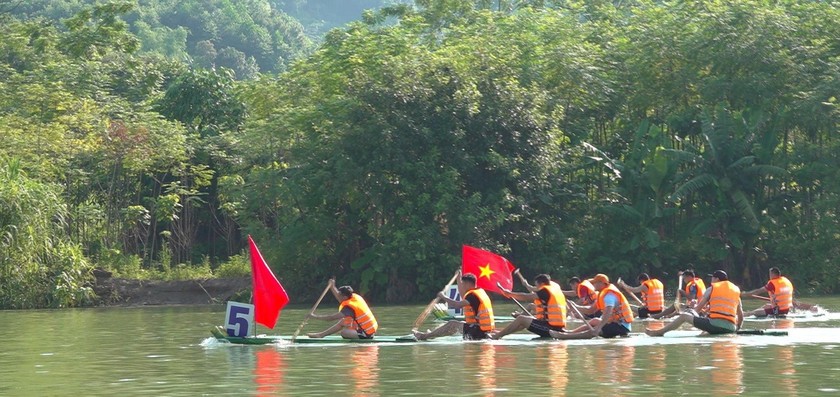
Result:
x=573 y=137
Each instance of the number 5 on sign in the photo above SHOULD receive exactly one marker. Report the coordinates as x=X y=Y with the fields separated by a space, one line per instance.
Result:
x=238 y=318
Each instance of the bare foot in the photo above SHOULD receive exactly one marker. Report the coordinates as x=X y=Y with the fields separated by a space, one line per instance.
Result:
x=494 y=335
x=419 y=335
x=654 y=332
x=315 y=335
x=554 y=334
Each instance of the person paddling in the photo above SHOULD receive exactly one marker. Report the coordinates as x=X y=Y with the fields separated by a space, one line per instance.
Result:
x=725 y=312
x=585 y=293
x=478 y=313
x=653 y=294
x=615 y=318
x=692 y=292
x=780 y=290
x=549 y=309
x=356 y=321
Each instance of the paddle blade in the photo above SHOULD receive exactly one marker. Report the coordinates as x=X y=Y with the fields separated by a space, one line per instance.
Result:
x=269 y=295
x=488 y=268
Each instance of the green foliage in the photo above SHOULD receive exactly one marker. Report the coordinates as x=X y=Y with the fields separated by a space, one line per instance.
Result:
x=236 y=266
x=39 y=266
x=572 y=137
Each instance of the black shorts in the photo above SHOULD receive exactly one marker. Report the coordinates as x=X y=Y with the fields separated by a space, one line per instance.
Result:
x=774 y=311
x=473 y=332
x=705 y=324
x=645 y=313
x=363 y=335
x=611 y=330
x=541 y=328
x=597 y=314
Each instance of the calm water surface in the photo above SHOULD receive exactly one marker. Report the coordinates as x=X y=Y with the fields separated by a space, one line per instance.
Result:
x=165 y=351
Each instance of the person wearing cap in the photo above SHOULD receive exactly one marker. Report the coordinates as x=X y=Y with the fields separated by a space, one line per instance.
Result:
x=549 y=309
x=692 y=291
x=615 y=318
x=725 y=311
x=478 y=313
x=585 y=293
x=780 y=290
x=653 y=294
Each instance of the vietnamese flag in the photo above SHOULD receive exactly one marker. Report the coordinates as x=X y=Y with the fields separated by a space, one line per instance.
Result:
x=269 y=295
x=488 y=268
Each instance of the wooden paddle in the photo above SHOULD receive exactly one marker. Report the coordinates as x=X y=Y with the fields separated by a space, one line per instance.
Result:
x=431 y=306
x=677 y=298
x=524 y=310
x=580 y=315
x=311 y=312
x=636 y=298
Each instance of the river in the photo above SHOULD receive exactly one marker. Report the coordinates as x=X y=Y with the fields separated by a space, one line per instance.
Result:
x=166 y=351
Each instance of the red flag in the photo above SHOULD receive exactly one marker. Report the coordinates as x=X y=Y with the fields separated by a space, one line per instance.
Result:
x=269 y=295
x=488 y=268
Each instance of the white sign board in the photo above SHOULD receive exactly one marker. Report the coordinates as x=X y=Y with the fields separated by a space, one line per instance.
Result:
x=453 y=294
x=238 y=318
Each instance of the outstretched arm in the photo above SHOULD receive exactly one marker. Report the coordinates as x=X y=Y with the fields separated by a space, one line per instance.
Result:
x=637 y=290
x=334 y=290
x=529 y=287
x=329 y=331
x=334 y=316
x=754 y=292
x=451 y=302
x=518 y=295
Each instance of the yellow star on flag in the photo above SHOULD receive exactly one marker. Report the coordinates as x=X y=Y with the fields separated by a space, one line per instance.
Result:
x=485 y=271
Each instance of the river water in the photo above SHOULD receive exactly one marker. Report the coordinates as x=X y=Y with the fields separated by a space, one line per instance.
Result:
x=166 y=351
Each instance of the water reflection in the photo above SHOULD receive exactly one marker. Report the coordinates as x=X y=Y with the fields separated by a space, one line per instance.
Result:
x=557 y=357
x=783 y=375
x=365 y=370
x=654 y=365
x=728 y=371
x=782 y=323
x=268 y=372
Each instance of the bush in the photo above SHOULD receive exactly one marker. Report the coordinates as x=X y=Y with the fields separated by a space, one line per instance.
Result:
x=236 y=266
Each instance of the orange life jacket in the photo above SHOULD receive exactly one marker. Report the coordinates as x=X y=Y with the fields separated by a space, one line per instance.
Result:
x=701 y=289
x=586 y=297
x=553 y=311
x=363 y=319
x=484 y=317
x=622 y=313
x=654 y=298
x=723 y=303
x=782 y=296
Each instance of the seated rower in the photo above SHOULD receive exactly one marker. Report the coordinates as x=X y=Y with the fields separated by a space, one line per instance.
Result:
x=653 y=295
x=356 y=321
x=478 y=313
x=692 y=292
x=585 y=293
x=550 y=309
x=780 y=290
x=615 y=318
x=725 y=312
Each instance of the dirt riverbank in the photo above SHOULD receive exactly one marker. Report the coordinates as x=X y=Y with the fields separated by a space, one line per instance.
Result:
x=124 y=292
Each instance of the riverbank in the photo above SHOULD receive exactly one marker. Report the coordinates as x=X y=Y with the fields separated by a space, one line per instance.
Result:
x=113 y=291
